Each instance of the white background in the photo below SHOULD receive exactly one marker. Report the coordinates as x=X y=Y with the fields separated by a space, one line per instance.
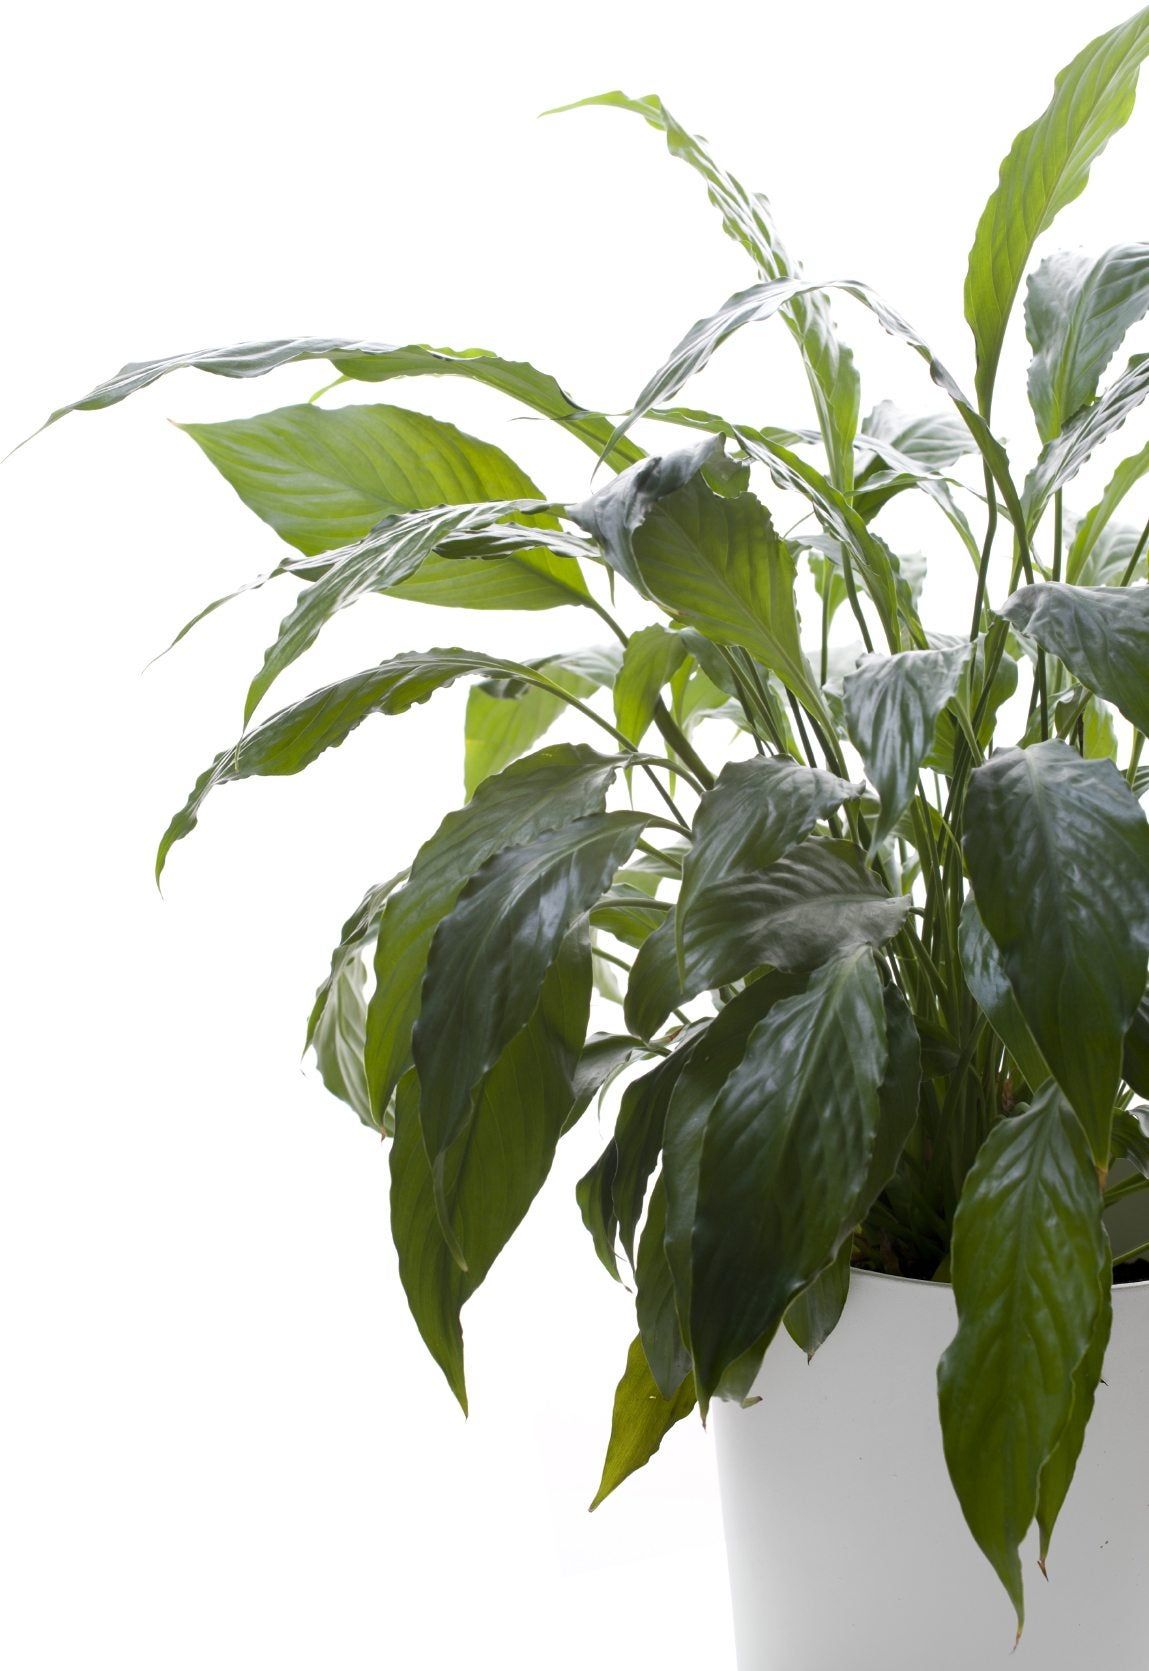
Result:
x=222 y=1443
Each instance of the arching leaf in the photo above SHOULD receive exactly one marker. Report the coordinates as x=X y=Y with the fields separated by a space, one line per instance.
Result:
x=642 y=1418
x=1101 y=633
x=1077 y=312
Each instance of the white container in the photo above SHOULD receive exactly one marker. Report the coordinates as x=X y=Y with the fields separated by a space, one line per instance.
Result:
x=848 y=1551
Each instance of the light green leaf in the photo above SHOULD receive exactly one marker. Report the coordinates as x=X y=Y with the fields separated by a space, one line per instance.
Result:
x=506 y=716
x=490 y=954
x=1058 y=852
x=757 y=810
x=893 y=704
x=1101 y=633
x=492 y=1175
x=291 y=739
x=986 y=978
x=1089 y=561
x=1063 y=457
x=1077 y=312
x=785 y=1154
x=652 y=657
x=642 y=1419
x=337 y=1025
x=1047 y=167
x=543 y=792
x=1027 y=1251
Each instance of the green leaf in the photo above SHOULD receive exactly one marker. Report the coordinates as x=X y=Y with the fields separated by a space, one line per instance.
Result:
x=757 y=811
x=717 y=564
x=1101 y=633
x=785 y=1153
x=603 y=1056
x=494 y=1173
x=544 y=792
x=1058 y=852
x=1047 y=167
x=748 y=219
x=1135 y=1058
x=1077 y=312
x=323 y=479
x=507 y=715
x=654 y=1301
x=986 y=978
x=642 y=1419
x=651 y=659
x=1057 y=1475
x=897 y=1100
x=1063 y=457
x=1131 y=1138
x=812 y=1318
x=371 y=362
x=950 y=725
x=817 y=901
x=1090 y=561
x=655 y=986
x=1028 y=1246
x=490 y=954
x=291 y=739
x=628 y=913
x=893 y=704
x=337 y=1026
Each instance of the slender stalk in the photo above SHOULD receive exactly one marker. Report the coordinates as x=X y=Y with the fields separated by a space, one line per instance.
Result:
x=1141 y=1252
x=1131 y=566
x=1135 y=756
x=986 y=550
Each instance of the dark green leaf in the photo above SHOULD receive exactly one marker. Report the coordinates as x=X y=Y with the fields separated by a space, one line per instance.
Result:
x=1077 y=312
x=893 y=704
x=652 y=657
x=757 y=810
x=1057 y=1475
x=654 y=987
x=544 y=792
x=1047 y=167
x=1131 y=1138
x=490 y=954
x=1135 y=1064
x=642 y=1419
x=603 y=1056
x=615 y=513
x=337 y=1026
x=986 y=978
x=1101 y=633
x=1027 y=1251
x=785 y=1154
x=812 y=1318
x=494 y=1172
x=1063 y=457
x=1058 y=853
x=629 y=914
x=657 y=1317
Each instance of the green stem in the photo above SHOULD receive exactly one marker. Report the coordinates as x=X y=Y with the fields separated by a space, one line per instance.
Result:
x=1135 y=756
x=987 y=548
x=1141 y=1252
x=1131 y=567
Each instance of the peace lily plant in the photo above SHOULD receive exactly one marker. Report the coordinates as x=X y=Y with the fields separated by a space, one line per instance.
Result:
x=876 y=937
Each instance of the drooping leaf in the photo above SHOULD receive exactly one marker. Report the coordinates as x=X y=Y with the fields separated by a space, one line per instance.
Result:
x=490 y=954
x=291 y=739
x=658 y=1323
x=543 y=792
x=748 y=219
x=603 y=1056
x=1077 y=312
x=1063 y=457
x=1135 y=1057
x=986 y=978
x=757 y=810
x=494 y=1173
x=897 y=1100
x=1101 y=633
x=785 y=1153
x=1090 y=562
x=893 y=704
x=1057 y=1474
x=652 y=657
x=337 y=1025
x=642 y=1418
x=323 y=479
x=1027 y=1251
x=813 y=1316
x=507 y=715
x=817 y=901
x=1046 y=168
x=655 y=985
x=1058 y=852
x=614 y=514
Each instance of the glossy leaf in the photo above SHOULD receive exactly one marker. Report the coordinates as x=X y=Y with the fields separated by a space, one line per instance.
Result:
x=323 y=479
x=1101 y=633
x=1077 y=312
x=490 y=954
x=642 y=1418
x=614 y=514
x=1057 y=1474
x=652 y=657
x=1058 y=852
x=1063 y=457
x=658 y=1323
x=291 y=739
x=1046 y=168
x=893 y=704
x=506 y=716
x=1028 y=1248
x=655 y=985
x=986 y=978
x=544 y=792
x=812 y=1318
x=757 y=810
x=337 y=1025
x=492 y=1176
x=785 y=1154
x=1092 y=561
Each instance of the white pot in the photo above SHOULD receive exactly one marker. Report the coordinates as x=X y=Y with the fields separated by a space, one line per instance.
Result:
x=848 y=1551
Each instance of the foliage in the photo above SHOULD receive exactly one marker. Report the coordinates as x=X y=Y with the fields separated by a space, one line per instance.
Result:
x=884 y=933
